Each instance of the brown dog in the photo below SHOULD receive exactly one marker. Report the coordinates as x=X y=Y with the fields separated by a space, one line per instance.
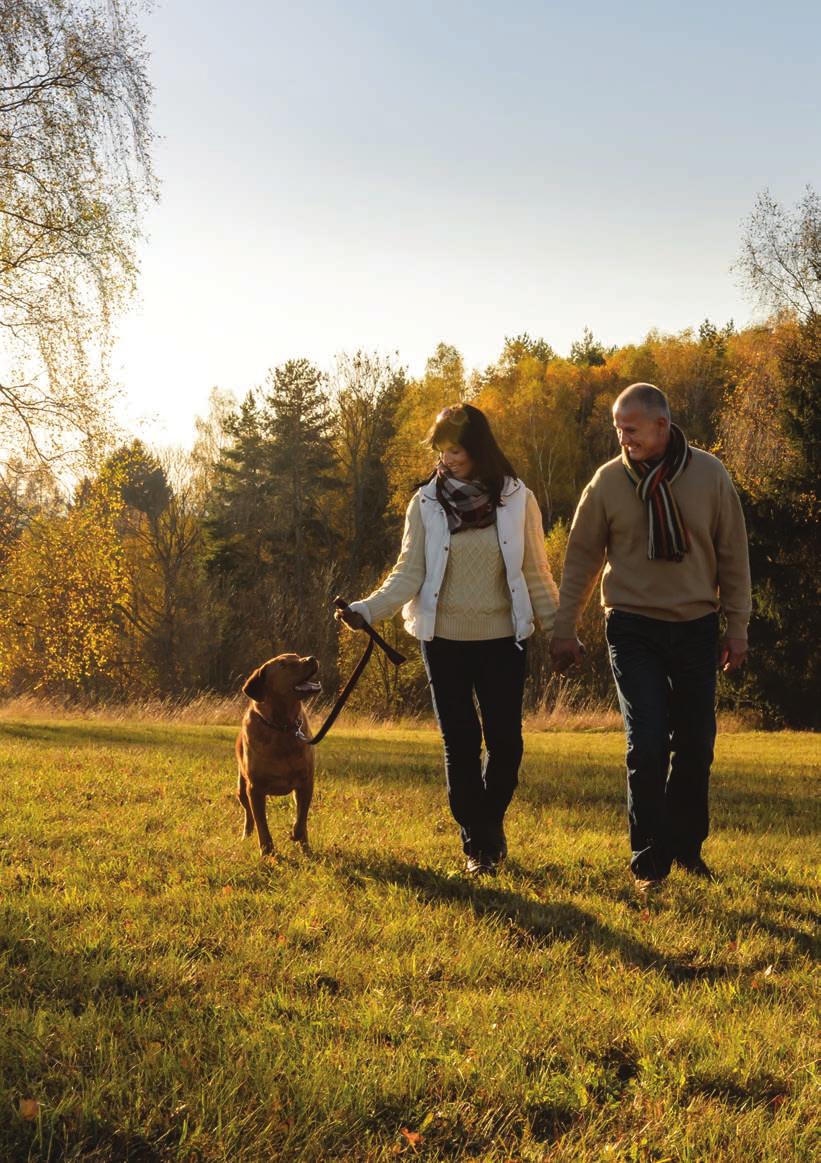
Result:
x=272 y=753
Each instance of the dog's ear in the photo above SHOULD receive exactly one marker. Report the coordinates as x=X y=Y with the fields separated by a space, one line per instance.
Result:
x=254 y=685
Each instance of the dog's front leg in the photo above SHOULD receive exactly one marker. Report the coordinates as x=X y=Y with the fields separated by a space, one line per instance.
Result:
x=302 y=797
x=242 y=796
x=266 y=844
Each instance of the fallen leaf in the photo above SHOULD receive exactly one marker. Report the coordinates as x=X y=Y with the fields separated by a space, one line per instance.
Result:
x=768 y=972
x=645 y=914
x=414 y=1138
x=226 y=889
x=29 y=1108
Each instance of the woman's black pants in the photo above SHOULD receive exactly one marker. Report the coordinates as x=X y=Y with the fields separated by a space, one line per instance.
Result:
x=492 y=674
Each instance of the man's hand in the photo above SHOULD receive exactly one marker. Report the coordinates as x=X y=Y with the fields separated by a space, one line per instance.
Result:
x=733 y=654
x=565 y=652
x=351 y=619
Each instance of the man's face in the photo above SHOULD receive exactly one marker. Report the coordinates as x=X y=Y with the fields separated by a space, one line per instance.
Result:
x=643 y=434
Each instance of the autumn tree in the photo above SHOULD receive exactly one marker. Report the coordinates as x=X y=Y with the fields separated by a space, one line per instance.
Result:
x=212 y=439
x=540 y=406
x=28 y=489
x=367 y=389
x=64 y=583
x=691 y=369
x=408 y=459
x=75 y=174
x=160 y=534
x=781 y=257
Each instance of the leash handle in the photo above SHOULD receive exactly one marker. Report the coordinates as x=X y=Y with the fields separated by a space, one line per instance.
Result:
x=373 y=639
x=396 y=658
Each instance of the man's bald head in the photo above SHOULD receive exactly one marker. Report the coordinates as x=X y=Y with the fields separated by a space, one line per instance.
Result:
x=646 y=396
x=641 y=417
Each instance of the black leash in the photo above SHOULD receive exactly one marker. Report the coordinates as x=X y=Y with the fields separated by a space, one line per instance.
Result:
x=374 y=639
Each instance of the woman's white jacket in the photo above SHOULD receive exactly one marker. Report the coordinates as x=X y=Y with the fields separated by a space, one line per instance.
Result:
x=418 y=604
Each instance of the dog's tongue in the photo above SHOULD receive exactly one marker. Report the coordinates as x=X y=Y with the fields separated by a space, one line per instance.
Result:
x=309 y=686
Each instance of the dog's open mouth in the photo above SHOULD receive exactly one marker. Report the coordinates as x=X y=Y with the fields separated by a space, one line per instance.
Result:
x=309 y=685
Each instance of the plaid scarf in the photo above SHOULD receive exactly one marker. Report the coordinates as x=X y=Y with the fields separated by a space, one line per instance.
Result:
x=668 y=538
x=467 y=504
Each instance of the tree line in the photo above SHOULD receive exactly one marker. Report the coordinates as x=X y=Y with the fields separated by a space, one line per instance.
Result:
x=175 y=574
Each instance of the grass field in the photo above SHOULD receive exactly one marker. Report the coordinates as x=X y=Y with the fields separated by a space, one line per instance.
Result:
x=165 y=994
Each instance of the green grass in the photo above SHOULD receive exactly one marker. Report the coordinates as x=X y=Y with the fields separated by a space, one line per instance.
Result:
x=165 y=994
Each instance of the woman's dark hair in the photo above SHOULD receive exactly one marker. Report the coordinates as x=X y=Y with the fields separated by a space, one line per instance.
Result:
x=468 y=427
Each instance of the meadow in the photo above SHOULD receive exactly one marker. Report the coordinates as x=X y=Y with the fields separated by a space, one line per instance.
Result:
x=167 y=995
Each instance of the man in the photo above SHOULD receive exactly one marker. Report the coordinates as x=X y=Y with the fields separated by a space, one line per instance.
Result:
x=665 y=521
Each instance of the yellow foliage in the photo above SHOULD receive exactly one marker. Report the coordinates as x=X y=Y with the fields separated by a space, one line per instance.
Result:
x=408 y=459
x=63 y=583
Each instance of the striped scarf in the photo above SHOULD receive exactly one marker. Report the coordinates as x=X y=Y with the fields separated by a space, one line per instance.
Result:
x=467 y=504
x=668 y=538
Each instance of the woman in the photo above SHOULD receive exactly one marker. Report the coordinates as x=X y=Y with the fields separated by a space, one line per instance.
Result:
x=471 y=573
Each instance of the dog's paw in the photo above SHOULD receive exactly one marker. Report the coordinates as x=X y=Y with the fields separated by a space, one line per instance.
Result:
x=267 y=850
x=300 y=838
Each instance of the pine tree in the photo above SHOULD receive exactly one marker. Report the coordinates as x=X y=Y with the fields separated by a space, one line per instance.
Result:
x=269 y=535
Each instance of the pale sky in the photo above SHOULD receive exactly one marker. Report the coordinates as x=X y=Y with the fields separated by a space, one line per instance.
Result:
x=391 y=175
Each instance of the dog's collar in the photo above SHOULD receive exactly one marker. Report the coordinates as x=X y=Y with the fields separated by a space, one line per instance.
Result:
x=294 y=729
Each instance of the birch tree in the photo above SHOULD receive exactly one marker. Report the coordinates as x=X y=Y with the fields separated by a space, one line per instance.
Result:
x=75 y=175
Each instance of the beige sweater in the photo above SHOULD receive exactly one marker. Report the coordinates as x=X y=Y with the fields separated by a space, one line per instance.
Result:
x=474 y=601
x=610 y=529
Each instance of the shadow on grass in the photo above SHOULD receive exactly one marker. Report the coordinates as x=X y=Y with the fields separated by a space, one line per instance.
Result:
x=743 y=808
x=765 y=881
x=804 y=942
x=76 y=980
x=90 y=1139
x=753 y=810
x=530 y=921
x=760 y=1090
x=89 y=734
x=743 y=800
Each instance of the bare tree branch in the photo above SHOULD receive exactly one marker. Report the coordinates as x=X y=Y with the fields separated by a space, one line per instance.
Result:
x=75 y=174
x=780 y=261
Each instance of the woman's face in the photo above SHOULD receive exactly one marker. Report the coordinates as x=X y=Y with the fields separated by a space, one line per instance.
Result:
x=457 y=461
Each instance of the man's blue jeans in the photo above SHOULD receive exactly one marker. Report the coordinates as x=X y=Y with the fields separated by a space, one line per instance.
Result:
x=665 y=676
x=493 y=671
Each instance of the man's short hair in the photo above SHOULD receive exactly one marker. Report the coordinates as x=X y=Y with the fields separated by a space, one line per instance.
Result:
x=647 y=396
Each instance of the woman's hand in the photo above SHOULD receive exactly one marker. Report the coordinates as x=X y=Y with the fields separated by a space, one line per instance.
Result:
x=351 y=619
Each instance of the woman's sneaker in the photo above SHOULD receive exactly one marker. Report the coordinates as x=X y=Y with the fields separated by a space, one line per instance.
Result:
x=647 y=886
